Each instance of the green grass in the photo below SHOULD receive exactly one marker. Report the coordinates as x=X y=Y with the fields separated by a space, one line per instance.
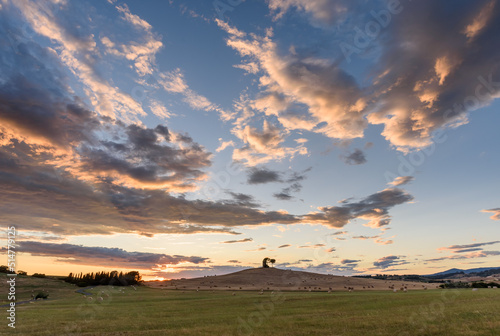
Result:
x=147 y=311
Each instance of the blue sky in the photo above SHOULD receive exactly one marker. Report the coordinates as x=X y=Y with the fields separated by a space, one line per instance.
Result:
x=191 y=138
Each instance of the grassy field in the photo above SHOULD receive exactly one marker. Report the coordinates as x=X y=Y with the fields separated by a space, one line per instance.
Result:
x=146 y=311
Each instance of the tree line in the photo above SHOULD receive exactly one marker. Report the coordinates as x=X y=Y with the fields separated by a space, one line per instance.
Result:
x=112 y=278
x=461 y=284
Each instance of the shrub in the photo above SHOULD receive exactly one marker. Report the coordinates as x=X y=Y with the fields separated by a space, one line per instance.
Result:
x=41 y=295
x=38 y=275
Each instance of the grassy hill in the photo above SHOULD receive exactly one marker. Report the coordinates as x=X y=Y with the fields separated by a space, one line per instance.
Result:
x=274 y=278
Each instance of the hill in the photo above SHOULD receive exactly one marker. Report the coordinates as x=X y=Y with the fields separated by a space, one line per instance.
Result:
x=26 y=286
x=278 y=279
x=482 y=271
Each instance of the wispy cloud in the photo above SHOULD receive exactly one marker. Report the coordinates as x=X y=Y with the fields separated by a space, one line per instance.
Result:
x=495 y=212
x=312 y=246
x=349 y=261
x=471 y=255
x=374 y=208
x=402 y=180
x=467 y=247
x=245 y=240
x=174 y=82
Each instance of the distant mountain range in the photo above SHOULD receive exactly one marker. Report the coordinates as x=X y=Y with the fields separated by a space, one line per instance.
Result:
x=465 y=271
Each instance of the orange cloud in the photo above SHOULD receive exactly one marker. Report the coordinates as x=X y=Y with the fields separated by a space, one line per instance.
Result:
x=496 y=213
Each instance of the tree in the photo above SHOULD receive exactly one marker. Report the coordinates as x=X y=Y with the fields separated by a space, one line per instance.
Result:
x=272 y=261
x=38 y=275
x=264 y=262
x=133 y=278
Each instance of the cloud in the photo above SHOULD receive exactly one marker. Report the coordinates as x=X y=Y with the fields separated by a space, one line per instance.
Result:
x=389 y=261
x=441 y=78
x=338 y=233
x=380 y=241
x=349 y=261
x=330 y=268
x=234 y=261
x=284 y=246
x=377 y=239
x=159 y=110
x=402 y=180
x=147 y=157
x=332 y=97
x=246 y=240
x=495 y=211
x=365 y=237
x=257 y=249
x=25 y=236
x=243 y=200
x=141 y=53
x=427 y=73
x=312 y=246
x=263 y=175
x=174 y=82
x=224 y=145
x=39 y=116
x=471 y=255
x=468 y=250
x=261 y=146
x=374 y=208
x=80 y=52
x=467 y=247
x=66 y=170
x=105 y=256
x=324 y=11
x=283 y=196
x=355 y=158
x=295 y=186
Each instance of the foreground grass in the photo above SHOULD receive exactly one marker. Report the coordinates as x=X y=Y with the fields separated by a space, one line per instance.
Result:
x=27 y=285
x=147 y=311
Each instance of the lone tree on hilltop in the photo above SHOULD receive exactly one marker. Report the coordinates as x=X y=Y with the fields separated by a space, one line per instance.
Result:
x=266 y=260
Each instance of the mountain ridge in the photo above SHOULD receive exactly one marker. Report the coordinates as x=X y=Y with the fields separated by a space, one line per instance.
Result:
x=458 y=270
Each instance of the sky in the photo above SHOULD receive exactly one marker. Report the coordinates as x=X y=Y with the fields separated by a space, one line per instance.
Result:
x=192 y=138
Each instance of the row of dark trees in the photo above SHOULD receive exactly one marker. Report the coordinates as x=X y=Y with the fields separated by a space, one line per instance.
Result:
x=112 y=278
x=469 y=285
